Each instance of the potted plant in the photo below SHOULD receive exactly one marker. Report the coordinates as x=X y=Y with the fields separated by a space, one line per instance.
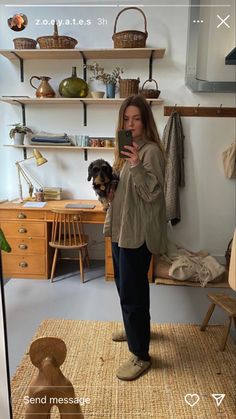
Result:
x=18 y=133
x=109 y=79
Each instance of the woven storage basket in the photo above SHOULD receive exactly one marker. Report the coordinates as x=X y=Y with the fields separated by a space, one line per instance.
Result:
x=128 y=87
x=24 y=43
x=150 y=93
x=228 y=253
x=55 y=41
x=130 y=39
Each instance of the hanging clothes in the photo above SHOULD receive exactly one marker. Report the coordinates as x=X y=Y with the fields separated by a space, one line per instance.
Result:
x=173 y=141
x=229 y=161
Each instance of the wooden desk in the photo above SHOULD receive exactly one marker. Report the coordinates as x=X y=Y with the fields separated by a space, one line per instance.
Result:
x=28 y=231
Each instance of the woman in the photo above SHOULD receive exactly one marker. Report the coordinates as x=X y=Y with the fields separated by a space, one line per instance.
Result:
x=136 y=223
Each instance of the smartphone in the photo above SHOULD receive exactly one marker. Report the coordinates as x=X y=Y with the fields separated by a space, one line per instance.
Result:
x=124 y=138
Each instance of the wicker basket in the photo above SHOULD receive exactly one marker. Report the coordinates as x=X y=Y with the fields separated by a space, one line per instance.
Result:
x=150 y=93
x=130 y=39
x=24 y=43
x=128 y=87
x=228 y=253
x=56 y=42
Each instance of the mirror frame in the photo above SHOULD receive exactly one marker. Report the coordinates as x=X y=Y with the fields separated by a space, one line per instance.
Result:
x=4 y=319
x=191 y=80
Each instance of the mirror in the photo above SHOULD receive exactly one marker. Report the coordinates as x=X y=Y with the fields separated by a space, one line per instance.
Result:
x=208 y=45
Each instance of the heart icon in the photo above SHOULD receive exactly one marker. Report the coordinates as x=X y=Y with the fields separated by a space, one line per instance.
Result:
x=192 y=399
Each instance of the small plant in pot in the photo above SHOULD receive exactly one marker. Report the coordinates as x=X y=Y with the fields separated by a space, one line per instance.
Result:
x=18 y=133
x=109 y=79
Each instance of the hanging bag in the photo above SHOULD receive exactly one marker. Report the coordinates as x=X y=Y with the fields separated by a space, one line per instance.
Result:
x=229 y=161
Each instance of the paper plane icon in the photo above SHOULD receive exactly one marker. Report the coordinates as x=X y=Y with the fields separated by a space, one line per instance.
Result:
x=218 y=398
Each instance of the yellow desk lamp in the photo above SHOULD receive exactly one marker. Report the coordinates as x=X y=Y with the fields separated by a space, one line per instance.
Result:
x=22 y=172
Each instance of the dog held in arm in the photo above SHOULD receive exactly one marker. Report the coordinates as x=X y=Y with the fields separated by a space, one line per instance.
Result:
x=103 y=180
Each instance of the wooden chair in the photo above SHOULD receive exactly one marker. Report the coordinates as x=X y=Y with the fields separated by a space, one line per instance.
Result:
x=67 y=234
x=226 y=302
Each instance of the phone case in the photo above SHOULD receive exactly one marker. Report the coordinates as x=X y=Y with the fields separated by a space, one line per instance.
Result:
x=124 y=138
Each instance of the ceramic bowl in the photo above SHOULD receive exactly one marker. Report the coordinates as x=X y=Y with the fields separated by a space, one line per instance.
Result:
x=97 y=94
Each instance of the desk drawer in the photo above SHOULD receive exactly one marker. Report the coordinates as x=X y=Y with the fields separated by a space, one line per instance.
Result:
x=22 y=214
x=23 y=229
x=21 y=265
x=25 y=246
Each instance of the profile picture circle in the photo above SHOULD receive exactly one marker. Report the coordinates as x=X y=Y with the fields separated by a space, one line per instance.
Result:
x=18 y=22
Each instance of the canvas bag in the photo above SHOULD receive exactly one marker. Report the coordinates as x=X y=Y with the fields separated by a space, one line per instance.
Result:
x=229 y=161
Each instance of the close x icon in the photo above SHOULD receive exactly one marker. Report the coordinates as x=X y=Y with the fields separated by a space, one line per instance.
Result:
x=223 y=21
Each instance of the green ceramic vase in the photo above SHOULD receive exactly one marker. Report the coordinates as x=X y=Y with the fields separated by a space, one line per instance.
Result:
x=73 y=86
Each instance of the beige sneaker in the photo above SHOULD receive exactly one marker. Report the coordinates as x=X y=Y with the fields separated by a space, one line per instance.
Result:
x=119 y=336
x=132 y=368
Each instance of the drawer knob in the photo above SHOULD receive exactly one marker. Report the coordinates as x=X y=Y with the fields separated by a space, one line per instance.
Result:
x=23 y=246
x=22 y=230
x=23 y=264
x=21 y=215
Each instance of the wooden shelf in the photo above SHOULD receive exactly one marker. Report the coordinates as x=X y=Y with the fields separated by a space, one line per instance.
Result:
x=58 y=146
x=87 y=54
x=67 y=101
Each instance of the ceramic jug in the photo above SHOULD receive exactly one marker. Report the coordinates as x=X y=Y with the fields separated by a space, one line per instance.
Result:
x=73 y=86
x=44 y=89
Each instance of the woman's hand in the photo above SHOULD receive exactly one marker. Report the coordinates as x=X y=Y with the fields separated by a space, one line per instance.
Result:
x=111 y=191
x=132 y=154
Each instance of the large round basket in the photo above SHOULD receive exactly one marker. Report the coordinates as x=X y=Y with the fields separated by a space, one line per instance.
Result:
x=131 y=38
x=150 y=93
x=128 y=87
x=24 y=43
x=56 y=42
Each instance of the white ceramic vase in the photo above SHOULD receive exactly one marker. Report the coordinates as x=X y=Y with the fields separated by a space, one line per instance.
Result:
x=19 y=138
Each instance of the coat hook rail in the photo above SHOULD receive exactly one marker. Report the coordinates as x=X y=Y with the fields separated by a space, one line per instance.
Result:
x=219 y=112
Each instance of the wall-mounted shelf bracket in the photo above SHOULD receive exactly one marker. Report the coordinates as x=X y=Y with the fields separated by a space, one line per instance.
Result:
x=85 y=113
x=25 y=153
x=85 y=154
x=22 y=111
x=150 y=65
x=84 y=66
x=21 y=65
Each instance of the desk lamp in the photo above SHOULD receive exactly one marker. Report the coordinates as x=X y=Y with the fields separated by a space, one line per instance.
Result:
x=22 y=172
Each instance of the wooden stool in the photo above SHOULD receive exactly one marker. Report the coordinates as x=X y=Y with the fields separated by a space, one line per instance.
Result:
x=50 y=387
x=228 y=304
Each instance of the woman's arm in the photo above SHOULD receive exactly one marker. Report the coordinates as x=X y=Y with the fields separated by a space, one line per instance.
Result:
x=148 y=174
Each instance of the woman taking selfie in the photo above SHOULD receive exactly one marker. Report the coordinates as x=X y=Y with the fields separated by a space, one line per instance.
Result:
x=136 y=223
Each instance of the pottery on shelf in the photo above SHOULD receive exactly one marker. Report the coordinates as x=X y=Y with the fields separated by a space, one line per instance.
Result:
x=19 y=138
x=44 y=89
x=97 y=94
x=73 y=86
x=110 y=90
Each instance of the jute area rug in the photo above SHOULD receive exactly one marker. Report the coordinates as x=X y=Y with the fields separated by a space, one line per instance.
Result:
x=185 y=361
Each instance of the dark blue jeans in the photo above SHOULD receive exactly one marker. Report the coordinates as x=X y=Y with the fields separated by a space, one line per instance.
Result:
x=131 y=269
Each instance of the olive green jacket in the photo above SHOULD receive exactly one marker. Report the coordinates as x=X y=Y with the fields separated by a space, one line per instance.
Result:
x=137 y=213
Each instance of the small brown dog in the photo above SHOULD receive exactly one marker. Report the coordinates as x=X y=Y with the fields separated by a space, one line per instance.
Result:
x=103 y=178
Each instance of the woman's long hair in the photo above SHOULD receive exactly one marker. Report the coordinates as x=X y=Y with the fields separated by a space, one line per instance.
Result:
x=150 y=128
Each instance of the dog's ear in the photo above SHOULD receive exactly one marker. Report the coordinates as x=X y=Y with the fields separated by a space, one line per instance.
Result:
x=108 y=169
x=90 y=171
